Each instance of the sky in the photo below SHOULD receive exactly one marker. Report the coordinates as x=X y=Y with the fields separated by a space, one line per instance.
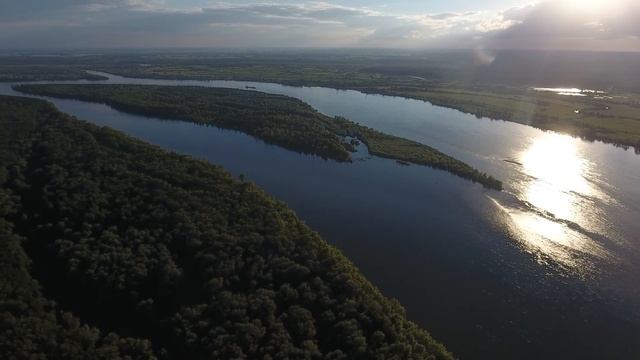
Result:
x=594 y=25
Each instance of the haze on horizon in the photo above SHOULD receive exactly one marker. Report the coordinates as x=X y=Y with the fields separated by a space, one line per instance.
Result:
x=591 y=25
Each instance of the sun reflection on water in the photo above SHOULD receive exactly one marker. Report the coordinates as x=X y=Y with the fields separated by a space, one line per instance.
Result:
x=554 y=191
x=558 y=173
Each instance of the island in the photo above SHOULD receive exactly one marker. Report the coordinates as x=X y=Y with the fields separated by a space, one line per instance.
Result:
x=276 y=119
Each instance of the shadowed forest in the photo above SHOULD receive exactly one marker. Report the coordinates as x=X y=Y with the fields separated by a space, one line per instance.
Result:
x=117 y=249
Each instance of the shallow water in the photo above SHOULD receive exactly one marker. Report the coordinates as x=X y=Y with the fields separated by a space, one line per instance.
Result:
x=526 y=273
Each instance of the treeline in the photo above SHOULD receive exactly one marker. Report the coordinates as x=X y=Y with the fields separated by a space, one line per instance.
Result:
x=167 y=257
x=33 y=72
x=277 y=119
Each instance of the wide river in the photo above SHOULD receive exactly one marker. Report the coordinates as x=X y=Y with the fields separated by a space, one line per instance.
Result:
x=548 y=268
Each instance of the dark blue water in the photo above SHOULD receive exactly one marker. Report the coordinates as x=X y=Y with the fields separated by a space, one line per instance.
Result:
x=445 y=248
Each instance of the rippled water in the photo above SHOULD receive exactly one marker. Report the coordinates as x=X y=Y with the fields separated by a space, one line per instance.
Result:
x=523 y=273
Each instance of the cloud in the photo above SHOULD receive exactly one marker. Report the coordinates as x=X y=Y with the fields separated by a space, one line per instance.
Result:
x=571 y=25
x=153 y=23
x=281 y=23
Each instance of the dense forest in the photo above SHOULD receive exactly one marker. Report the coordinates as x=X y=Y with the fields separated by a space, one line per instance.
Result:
x=276 y=119
x=115 y=249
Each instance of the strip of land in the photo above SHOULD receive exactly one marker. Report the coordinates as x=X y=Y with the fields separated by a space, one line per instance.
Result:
x=15 y=73
x=276 y=119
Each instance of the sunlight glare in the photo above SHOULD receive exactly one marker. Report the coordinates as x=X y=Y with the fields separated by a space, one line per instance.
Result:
x=557 y=179
x=589 y=5
x=598 y=9
x=558 y=169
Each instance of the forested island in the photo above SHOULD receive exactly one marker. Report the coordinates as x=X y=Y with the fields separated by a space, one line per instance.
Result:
x=276 y=119
x=115 y=249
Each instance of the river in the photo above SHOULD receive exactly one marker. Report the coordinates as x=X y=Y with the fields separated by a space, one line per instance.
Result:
x=547 y=268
